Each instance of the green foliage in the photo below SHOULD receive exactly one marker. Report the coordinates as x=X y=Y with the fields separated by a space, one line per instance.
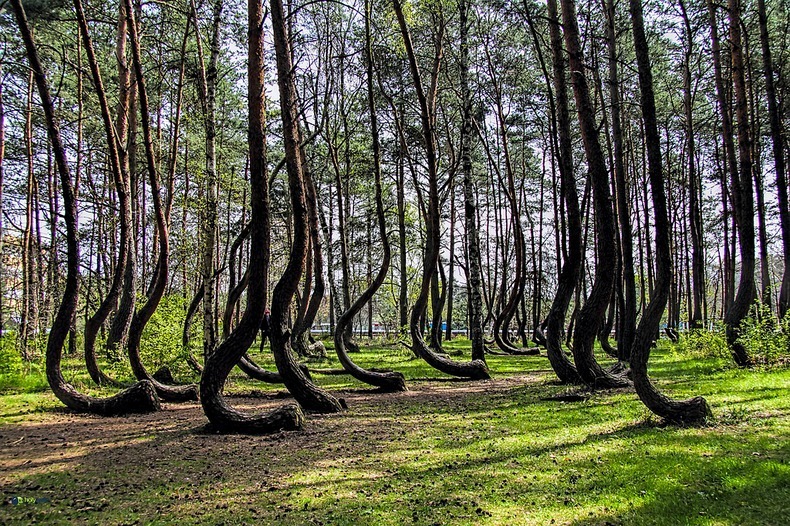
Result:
x=10 y=359
x=161 y=341
x=702 y=343
x=17 y=375
x=765 y=337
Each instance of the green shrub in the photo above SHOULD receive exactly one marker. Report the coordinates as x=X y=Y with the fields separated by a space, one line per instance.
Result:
x=161 y=340
x=10 y=359
x=765 y=337
x=16 y=374
x=702 y=343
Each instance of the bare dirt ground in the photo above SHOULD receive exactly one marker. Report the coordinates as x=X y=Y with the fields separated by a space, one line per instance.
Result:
x=113 y=469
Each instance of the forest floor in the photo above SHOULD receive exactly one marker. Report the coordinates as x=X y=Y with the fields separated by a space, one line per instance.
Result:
x=445 y=452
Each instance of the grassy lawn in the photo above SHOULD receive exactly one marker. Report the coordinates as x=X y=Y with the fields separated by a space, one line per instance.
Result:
x=446 y=452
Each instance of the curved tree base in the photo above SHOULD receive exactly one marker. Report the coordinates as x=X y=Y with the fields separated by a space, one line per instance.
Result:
x=525 y=351
x=91 y=363
x=494 y=351
x=174 y=393
x=97 y=375
x=739 y=352
x=474 y=370
x=312 y=398
x=304 y=348
x=224 y=419
x=692 y=411
x=139 y=398
x=610 y=381
x=387 y=381
x=256 y=372
x=539 y=337
x=563 y=367
x=607 y=346
x=351 y=345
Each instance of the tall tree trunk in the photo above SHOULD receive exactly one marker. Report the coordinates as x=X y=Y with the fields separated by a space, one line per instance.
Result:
x=591 y=314
x=207 y=88
x=95 y=322
x=694 y=187
x=310 y=396
x=403 y=289
x=29 y=318
x=742 y=195
x=695 y=409
x=160 y=275
x=219 y=364
x=627 y=324
x=470 y=198
x=476 y=369
x=779 y=156
x=119 y=329
x=451 y=263
x=139 y=398
x=571 y=267
x=2 y=231
x=386 y=380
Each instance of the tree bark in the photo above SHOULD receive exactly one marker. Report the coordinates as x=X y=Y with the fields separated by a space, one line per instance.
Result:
x=470 y=198
x=695 y=409
x=93 y=324
x=387 y=381
x=779 y=156
x=139 y=398
x=476 y=369
x=159 y=277
x=742 y=196
x=310 y=396
x=220 y=362
x=591 y=314
x=569 y=276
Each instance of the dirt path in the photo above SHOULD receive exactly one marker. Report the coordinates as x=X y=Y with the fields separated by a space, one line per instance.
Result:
x=86 y=464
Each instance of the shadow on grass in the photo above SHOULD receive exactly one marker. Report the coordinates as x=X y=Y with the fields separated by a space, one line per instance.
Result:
x=489 y=455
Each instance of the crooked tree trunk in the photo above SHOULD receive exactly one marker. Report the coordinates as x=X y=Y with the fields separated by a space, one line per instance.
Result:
x=159 y=279
x=139 y=398
x=591 y=314
x=2 y=157
x=550 y=332
x=779 y=157
x=300 y=339
x=94 y=323
x=235 y=289
x=627 y=323
x=694 y=187
x=310 y=396
x=387 y=381
x=742 y=196
x=219 y=364
x=476 y=369
x=695 y=409
x=119 y=328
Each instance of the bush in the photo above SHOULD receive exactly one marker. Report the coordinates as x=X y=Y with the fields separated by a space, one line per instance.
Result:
x=702 y=343
x=765 y=337
x=10 y=360
x=161 y=341
x=16 y=374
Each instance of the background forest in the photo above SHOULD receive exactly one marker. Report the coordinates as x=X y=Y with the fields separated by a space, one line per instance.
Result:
x=449 y=128
x=429 y=248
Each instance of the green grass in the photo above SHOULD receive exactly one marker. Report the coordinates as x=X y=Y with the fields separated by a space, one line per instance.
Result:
x=445 y=453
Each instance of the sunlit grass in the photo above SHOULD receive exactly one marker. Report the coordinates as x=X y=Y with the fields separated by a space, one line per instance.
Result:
x=504 y=456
